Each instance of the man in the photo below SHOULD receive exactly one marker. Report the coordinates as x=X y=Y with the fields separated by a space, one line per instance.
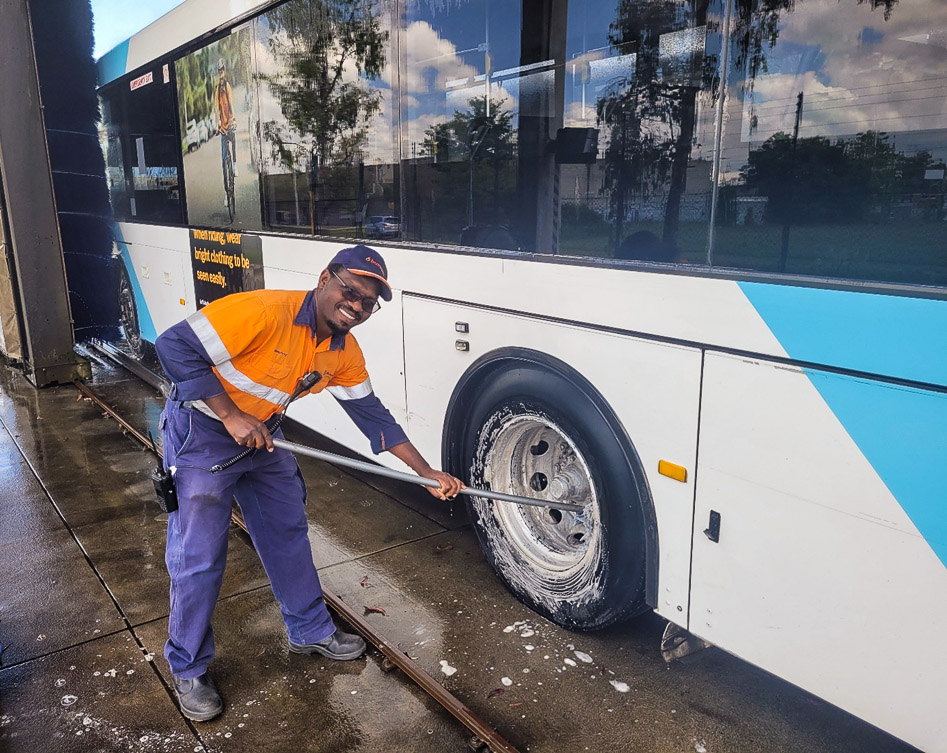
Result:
x=226 y=120
x=234 y=365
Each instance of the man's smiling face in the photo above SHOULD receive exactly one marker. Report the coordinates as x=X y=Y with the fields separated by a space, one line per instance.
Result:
x=332 y=307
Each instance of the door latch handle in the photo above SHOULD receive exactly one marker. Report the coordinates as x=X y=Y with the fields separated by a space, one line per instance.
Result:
x=712 y=531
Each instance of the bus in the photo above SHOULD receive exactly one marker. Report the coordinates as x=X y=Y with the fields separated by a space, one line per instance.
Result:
x=683 y=262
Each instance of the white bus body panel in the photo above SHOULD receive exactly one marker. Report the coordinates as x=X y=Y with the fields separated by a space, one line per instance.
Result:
x=673 y=306
x=654 y=389
x=184 y=23
x=819 y=574
x=664 y=305
x=162 y=271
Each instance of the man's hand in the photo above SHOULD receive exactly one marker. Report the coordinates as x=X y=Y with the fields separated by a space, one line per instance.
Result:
x=450 y=485
x=409 y=455
x=246 y=430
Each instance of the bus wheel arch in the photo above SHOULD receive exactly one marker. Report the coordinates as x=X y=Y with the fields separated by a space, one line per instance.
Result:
x=517 y=403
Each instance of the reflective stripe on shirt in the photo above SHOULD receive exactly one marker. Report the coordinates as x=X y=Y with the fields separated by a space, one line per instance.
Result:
x=351 y=393
x=218 y=352
x=209 y=338
x=242 y=382
x=201 y=406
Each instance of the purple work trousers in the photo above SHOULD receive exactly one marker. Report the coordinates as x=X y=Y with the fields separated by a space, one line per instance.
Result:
x=271 y=493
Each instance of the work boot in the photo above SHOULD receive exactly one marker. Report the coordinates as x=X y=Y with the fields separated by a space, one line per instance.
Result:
x=339 y=645
x=198 y=698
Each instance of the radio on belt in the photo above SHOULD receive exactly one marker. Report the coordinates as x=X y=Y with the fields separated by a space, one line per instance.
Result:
x=164 y=488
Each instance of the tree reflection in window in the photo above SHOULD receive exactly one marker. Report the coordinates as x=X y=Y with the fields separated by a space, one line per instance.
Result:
x=832 y=160
x=650 y=112
x=478 y=141
x=327 y=54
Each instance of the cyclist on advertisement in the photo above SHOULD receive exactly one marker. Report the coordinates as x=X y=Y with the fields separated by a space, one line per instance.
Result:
x=226 y=121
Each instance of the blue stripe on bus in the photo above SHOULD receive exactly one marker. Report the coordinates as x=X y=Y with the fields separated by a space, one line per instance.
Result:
x=112 y=64
x=880 y=334
x=146 y=325
x=901 y=432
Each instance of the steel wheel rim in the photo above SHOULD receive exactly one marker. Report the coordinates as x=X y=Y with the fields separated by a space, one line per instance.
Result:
x=531 y=456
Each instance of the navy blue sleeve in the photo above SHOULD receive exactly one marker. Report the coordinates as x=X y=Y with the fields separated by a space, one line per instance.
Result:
x=375 y=422
x=185 y=360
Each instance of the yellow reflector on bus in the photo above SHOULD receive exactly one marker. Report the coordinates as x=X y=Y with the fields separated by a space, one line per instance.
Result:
x=182 y=302
x=677 y=472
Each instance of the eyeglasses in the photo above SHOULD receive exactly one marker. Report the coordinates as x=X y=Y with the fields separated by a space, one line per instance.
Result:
x=371 y=305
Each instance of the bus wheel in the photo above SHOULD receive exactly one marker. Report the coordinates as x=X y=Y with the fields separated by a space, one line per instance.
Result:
x=128 y=315
x=535 y=434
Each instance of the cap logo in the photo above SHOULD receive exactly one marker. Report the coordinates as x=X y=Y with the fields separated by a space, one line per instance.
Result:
x=370 y=260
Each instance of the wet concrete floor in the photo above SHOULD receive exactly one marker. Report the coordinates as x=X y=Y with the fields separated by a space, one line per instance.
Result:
x=83 y=620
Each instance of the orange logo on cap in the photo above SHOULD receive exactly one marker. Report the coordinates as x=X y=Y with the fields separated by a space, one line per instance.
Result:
x=370 y=260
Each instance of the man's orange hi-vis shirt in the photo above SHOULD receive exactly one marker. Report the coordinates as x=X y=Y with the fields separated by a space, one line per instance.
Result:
x=257 y=345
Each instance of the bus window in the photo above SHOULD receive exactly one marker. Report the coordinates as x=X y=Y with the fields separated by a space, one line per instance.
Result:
x=140 y=149
x=486 y=98
x=110 y=137
x=646 y=75
x=328 y=150
x=835 y=141
x=460 y=121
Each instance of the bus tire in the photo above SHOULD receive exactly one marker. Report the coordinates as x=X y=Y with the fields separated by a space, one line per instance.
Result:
x=128 y=314
x=533 y=432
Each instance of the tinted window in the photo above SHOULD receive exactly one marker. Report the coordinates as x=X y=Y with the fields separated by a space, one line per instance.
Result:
x=646 y=75
x=602 y=128
x=460 y=123
x=327 y=143
x=110 y=136
x=489 y=86
x=140 y=146
x=835 y=140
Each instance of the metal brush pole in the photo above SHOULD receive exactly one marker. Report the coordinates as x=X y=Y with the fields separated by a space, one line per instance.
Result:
x=420 y=480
